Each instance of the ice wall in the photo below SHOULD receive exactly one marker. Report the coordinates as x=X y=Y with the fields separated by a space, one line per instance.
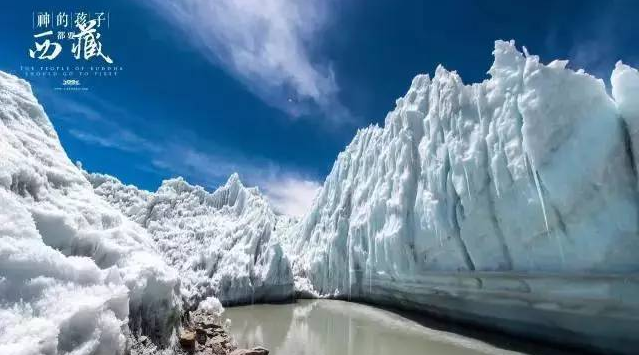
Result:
x=223 y=243
x=529 y=172
x=625 y=90
x=76 y=276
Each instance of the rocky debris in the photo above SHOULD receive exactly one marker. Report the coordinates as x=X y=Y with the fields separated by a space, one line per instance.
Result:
x=205 y=335
x=187 y=339
x=202 y=333
x=255 y=351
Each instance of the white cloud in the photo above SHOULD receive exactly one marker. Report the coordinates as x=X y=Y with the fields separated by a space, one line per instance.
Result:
x=266 y=44
x=286 y=192
x=118 y=138
x=291 y=196
x=212 y=165
x=594 y=48
x=183 y=153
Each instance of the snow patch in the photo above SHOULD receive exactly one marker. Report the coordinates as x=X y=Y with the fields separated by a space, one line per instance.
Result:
x=76 y=276
x=212 y=305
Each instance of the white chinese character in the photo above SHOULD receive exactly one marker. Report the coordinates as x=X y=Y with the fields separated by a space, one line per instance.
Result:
x=47 y=49
x=99 y=17
x=88 y=44
x=62 y=19
x=43 y=19
x=80 y=18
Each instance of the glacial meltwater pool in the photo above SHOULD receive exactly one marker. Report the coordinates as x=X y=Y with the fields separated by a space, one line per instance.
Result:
x=328 y=327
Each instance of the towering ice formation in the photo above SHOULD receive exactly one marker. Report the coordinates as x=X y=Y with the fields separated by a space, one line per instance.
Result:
x=484 y=202
x=74 y=272
x=625 y=90
x=222 y=243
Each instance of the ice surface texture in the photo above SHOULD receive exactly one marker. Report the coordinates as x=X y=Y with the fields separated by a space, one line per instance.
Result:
x=223 y=243
x=74 y=272
x=529 y=172
x=511 y=203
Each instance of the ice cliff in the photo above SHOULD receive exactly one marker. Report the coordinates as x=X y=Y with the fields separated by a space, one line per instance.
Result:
x=511 y=204
x=508 y=203
x=76 y=276
x=223 y=243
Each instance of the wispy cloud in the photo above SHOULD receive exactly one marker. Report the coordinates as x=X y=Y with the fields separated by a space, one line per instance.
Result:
x=118 y=138
x=266 y=44
x=596 y=45
x=90 y=115
x=209 y=165
x=183 y=153
x=291 y=195
x=595 y=54
x=287 y=191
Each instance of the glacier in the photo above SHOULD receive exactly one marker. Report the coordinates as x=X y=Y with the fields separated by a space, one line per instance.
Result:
x=88 y=264
x=76 y=276
x=510 y=203
x=224 y=244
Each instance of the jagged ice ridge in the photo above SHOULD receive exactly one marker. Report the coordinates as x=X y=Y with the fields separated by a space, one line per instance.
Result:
x=223 y=243
x=510 y=203
x=75 y=274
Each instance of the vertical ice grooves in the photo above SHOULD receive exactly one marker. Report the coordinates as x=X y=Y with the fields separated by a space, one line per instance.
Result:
x=500 y=234
x=543 y=210
x=627 y=143
x=412 y=196
x=454 y=200
x=546 y=155
x=493 y=211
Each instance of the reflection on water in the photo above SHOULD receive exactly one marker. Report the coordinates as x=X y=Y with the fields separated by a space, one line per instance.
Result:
x=318 y=327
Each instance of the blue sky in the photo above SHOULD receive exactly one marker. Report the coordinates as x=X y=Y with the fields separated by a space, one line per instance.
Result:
x=275 y=89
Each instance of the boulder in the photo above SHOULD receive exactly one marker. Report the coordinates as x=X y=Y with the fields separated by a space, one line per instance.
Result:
x=258 y=350
x=187 y=339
